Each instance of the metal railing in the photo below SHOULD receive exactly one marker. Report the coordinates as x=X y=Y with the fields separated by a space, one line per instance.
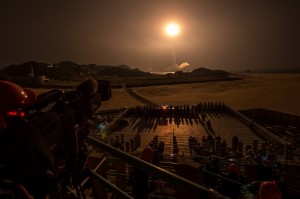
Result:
x=158 y=172
x=109 y=185
x=155 y=171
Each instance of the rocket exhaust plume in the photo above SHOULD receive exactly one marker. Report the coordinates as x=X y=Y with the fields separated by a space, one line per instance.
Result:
x=183 y=65
x=174 y=58
x=176 y=66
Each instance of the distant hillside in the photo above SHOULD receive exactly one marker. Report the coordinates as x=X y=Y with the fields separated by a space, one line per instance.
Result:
x=68 y=73
x=205 y=71
x=67 y=70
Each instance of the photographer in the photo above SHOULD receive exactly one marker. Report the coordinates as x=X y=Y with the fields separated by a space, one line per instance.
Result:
x=24 y=157
x=42 y=138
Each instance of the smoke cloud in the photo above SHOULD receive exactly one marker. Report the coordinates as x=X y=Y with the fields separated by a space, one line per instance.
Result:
x=183 y=65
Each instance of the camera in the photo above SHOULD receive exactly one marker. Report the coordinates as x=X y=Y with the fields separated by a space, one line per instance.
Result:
x=45 y=149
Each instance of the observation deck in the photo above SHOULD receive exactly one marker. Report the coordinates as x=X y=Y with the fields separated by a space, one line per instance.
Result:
x=185 y=154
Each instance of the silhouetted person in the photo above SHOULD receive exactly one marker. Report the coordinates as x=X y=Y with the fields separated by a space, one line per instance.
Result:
x=203 y=140
x=224 y=148
x=140 y=178
x=212 y=166
x=261 y=190
x=235 y=143
x=203 y=117
x=230 y=189
x=24 y=155
x=208 y=124
x=250 y=155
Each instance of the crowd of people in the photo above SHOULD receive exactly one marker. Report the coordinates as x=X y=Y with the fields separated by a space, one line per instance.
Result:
x=208 y=143
x=233 y=181
x=179 y=109
x=230 y=182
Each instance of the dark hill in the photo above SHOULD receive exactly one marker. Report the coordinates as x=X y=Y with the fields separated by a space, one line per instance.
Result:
x=25 y=69
x=68 y=70
x=124 y=66
x=71 y=71
x=208 y=72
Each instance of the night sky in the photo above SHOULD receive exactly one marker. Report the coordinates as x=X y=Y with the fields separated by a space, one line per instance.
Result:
x=229 y=35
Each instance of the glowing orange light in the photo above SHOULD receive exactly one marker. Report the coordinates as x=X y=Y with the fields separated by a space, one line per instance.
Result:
x=164 y=107
x=172 y=29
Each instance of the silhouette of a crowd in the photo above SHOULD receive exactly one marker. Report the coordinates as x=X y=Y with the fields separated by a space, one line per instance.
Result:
x=250 y=175
x=179 y=110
